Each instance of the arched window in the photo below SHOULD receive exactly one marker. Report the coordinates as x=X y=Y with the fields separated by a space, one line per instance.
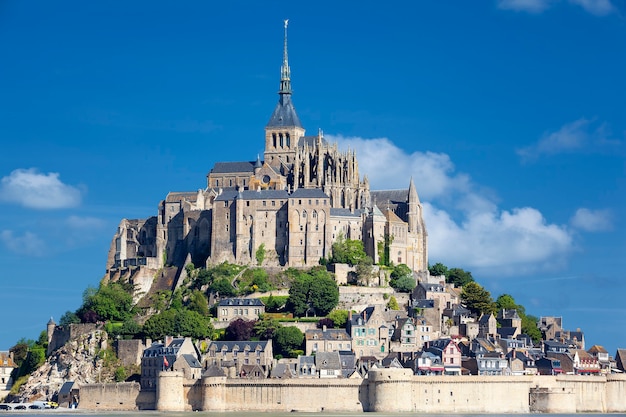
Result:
x=288 y=140
x=282 y=140
x=274 y=139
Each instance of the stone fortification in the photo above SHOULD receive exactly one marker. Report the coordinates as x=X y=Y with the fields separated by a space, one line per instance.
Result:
x=385 y=390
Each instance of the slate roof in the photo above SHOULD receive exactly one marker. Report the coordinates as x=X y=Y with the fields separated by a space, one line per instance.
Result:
x=214 y=370
x=344 y=212
x=327 y=360
x=308 y=193
x=229 y=345
x=283 y=370
x=424 y=303
x=506 y=332
x=175 y=196
x=328 y=334
x=284 y=114
x=191 y=361
x=620 y=359
x=240 y=302
x=310 y=141
x=567 y=364
x=508 y=314
x=233 y=167
x=66 y=388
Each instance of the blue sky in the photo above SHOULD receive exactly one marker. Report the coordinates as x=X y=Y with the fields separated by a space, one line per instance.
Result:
x=509 y=115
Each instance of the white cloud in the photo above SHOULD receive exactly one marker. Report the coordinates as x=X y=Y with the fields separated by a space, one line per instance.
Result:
x=530 y=6
x=466 y=228
x=571 y=137
x=28 y=244
x=78 y=222
x=592 y=220
x=389 y=167
x=596 y=7
x=497 y=242
x=33 y=189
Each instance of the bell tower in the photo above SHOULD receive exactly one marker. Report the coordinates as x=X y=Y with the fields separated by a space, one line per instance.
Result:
x=284 y=129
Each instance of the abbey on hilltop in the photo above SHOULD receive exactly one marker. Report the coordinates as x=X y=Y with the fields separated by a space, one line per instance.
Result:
x=292 y=205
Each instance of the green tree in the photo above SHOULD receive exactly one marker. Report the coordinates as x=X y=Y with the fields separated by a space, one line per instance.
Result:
x=392 y=304
x=401 y=278
x=339 y=317
x=112 y=301
x=477 y=299
x=383 y=250
x=438 y=269
x=404 y=284
x=347 y=251
x=507 y=302
x=459 y=277
x=128 y=329
x=199 y=303
x=223 y=287
x=529 y=327
x=288 y=339
x=314 y=291
x=365 y=271
x=265 y=328
x=273 y=303
x=260 y=254
x=68 y=318
x=185 y=323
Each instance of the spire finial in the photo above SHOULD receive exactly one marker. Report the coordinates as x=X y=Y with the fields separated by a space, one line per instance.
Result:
x=285 y=71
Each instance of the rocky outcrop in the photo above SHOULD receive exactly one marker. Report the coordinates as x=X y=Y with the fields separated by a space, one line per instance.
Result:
x=81 y=360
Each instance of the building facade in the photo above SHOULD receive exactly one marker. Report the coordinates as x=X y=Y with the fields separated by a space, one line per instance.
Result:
x=293 y=205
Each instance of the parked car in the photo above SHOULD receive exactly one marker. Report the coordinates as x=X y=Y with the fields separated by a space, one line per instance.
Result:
x=20 y=407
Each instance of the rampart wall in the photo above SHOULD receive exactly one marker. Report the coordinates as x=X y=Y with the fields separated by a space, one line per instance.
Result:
x=385 y=390
x=122 y=396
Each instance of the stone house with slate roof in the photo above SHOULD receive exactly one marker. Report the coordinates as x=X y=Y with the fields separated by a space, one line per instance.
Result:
x=234 y=354
x=189 y=366
x=328 y=364
x=326 y=340
x=161 y=356
x=295 y=200
x=240 y=308
x=369 y=331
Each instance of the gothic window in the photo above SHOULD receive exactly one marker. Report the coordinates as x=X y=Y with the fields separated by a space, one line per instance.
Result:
x=288 y=140
x=282 y=140
x=304 y=214
x=314 y=214
x=274 y=139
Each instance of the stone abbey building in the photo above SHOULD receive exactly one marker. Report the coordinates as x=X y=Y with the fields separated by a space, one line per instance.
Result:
x=297 y=201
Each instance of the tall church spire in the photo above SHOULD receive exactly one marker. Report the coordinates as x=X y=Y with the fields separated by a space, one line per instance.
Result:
x=285 y=114
x=285 y=71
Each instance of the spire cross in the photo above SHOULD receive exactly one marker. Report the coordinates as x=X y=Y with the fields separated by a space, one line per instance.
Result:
x=285 y=73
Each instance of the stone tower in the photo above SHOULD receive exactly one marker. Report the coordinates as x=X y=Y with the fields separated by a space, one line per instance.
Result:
x=284 y=130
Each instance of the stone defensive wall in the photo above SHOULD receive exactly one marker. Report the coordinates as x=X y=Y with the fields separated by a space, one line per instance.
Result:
x=385 y=390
